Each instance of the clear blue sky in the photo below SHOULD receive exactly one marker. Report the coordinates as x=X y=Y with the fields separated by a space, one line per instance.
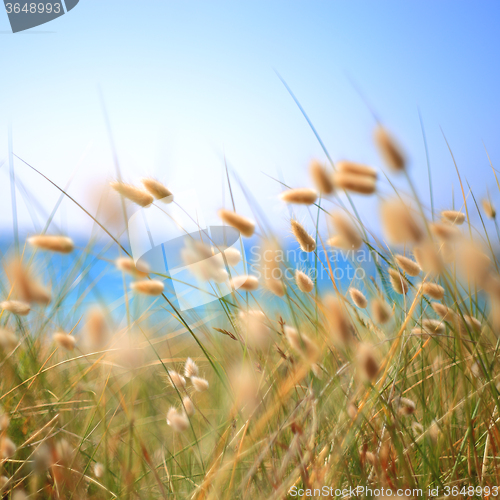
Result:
x=186 y=82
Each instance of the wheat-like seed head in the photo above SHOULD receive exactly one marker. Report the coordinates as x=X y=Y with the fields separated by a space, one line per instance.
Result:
x=409 y=266
x=245 y=226
x=433 y=290
x=157 y=189
x=389 y=149
x=148 y=287
x=358 y=297
x=489 y=209
x=200 y=384
x=304 y=282
x=346 y=230
x=245 y=283
x=322 y=180
x=16 y=307
x=361 y=184
x=132 y=193
x=64 y=340
x=61 y=244
x=453 y=216
x=398 y=282
x=380 y=310
x=300 y=196
x=305 y=240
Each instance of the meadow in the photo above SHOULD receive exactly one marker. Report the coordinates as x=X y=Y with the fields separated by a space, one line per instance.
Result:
x=380 y=382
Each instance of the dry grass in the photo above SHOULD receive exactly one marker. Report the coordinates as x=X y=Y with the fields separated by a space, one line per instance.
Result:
x=308 y=389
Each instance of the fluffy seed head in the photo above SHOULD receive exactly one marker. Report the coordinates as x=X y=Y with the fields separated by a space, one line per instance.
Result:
x=405 y=406
x=7 y=447
x=148 y=287
x=453 y=216
x=245 y=282
x=445 y=232
x=190 y=368
x=346 y=230
x=188 y=406
x=489 y=209
x=126 y=264
x=398 y=282
x=158 y=190
x=16 y=307
x=245 y=226
x=389 y=150
x=428 y=258
x=443 y=311
x=8 y=339
x=433 y=290
x=361 y=184
x=305 y=240
x=367 y=362
x=399 y=225
x=233 y=256
x=271 y=272
x=322 y=180
x=350 y=167
x=302 y=344
x=358 y=298
x=99 y=470
x=176 y=379
x=132 y=193
x=200 y=384
x=178 y=421
x=64 y=340
x=61 y=244
x=96 y=329
x=433 y=326
x=300 y=196
x=380 y=310
x=253 y=324
x=340 y=323
x=409 y=266
x=25 y=286
x=304 y=282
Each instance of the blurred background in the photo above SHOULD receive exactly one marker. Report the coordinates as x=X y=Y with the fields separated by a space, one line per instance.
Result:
x=189 y=85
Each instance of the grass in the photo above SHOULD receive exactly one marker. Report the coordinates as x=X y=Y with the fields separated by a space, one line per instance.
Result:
x=305 y=390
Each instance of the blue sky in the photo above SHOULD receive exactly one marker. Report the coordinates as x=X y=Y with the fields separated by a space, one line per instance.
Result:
x=186 y=83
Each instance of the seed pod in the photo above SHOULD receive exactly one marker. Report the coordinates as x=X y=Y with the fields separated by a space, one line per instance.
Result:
x=127 y=264
x=200 y=384
x=389 y=150
x=453 y=216
x=367 y=362
x=178 y=421
x=302 y=344
x=61 y=244
x=358 y=298
x=350 y=167
x=409 y=266
x=300 y=196
x=398 y=282
x=489 y=209
x=148 y=287
x=245 y=283
x=304 y=283
x=132 y=193
x=346 y=229
x=245 y=226
x=64 y=340
x=190 y=368
x=16 y=307
x=361 y=184
x=399 y=224
x=341 y=325
x=305 y=240
x=380 y=310
x=433 y=290
x=322 y=180
x=158 y=190
x=445 y=232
